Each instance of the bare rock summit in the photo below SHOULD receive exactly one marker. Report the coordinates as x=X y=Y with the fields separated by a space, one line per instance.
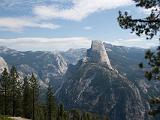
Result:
x=98 y=54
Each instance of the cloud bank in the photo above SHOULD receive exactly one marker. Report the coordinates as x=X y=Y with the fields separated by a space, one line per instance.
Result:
x=43 y=14
x=80 y=9
x=50 y=44
x=135 y=42
x=46 y=44
x=17 y=24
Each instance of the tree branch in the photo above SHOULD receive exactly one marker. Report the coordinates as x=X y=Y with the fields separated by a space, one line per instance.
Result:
x=147 y=21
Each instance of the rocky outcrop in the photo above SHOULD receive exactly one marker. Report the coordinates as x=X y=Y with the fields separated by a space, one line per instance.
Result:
x=97 y=53
x=87 y=84
x=3 y=65
x=93 y=85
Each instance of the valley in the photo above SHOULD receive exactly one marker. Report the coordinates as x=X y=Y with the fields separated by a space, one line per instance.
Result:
x=104 y=72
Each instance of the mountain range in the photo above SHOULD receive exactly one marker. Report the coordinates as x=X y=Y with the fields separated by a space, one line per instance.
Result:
x=104 y=79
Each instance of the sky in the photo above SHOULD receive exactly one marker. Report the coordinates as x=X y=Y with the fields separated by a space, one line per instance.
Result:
x=62 y=24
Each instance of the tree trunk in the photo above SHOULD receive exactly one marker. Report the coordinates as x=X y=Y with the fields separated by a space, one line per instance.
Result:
x=5 y=102
x=33 y=105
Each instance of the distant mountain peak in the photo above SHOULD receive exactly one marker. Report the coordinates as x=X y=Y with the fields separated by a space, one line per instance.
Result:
x=97 y=53
x=93 y=80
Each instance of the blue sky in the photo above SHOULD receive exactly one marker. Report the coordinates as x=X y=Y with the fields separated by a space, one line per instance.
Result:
x=64 y=24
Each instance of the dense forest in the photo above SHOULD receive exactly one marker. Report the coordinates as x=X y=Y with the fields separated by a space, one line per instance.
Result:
x=22 y=98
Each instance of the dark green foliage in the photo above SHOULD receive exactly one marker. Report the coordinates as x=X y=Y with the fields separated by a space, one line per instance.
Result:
x=5 y=92
x=154 y=103
x=75 y=114
x=34 y=86
x=51 y=105
x=16 y=91
x=23 y=100
x=147 y=3
x=40 y=112
x=87 y=116
x=60 y=114
x=149 y=26
x=10 y=93
x=148 y=75
x=141 y=65
x=26 y=104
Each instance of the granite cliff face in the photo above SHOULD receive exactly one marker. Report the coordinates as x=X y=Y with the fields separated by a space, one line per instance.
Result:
x=90 y=84
x=47 y=66
x=93 y=85
x=3 y=65
x=72 y=56
x=97 y=54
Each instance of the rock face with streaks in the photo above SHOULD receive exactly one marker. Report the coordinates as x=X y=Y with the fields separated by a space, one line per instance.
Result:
x=97 y=53
x=47 y=66
x=3 y=65
x=93 y=85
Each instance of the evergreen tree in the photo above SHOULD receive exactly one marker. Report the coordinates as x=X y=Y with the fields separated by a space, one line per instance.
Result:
x=12 y=94
x=51 y=105
x=84 y=116
x=5 y=86
x=149 y=26
x=40 y=112
x=60 y=115
x=88 y=116
x=66 y=115
x=26 y=104
x=34 y=85
x=76 y=114
x=16 y=91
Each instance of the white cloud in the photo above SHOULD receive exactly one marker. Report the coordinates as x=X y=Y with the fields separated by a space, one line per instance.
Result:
x=80 y=9
x=88 y=28
x=46 y=44
x=17 y=24
x=50 y=44
x=42 y=14
x=136 y=42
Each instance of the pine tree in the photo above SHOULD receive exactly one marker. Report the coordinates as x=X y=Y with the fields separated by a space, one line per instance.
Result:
x=40 y=112
x=76 y=114
x=16 y=91
x=51 y=106
x=60 y=115
x=66 y=115
x=87 y=116
x=84 y=116
x=34 y=85
x=5 y=85
x=26 y=104
x=150 y=27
